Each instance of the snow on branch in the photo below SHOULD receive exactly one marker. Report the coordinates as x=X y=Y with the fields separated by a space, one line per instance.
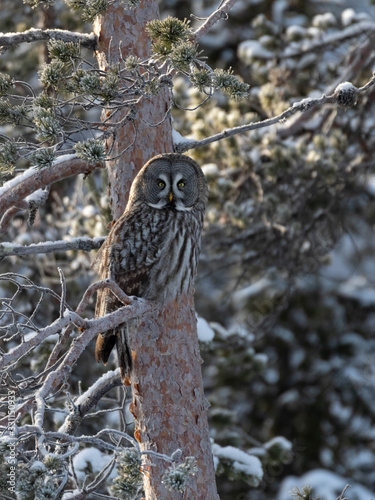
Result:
x=345 y=95
x=14 y=192
x=89 y=399
x=83 y=243
x=10 y=40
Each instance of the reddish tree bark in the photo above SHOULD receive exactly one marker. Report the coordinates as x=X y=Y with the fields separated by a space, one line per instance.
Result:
x=168 y=400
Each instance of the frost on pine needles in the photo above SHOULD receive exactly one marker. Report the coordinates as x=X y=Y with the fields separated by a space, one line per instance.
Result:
x=92 y=150
x=35 y=482
x=130 y=479
x=52 y=74
x=43 y=157
x=88 y=9
x=6 y=83
x=8 y=157
x=169 y=32
x=229 y=84
x=183 y=55
x=10 y=113
x=177 y=477
x=47 y=125
x=63 y=51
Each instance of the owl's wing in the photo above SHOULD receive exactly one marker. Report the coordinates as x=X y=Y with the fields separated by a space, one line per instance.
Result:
x=127 y=256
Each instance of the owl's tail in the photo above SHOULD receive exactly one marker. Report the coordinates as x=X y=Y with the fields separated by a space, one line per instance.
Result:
x=106 y=342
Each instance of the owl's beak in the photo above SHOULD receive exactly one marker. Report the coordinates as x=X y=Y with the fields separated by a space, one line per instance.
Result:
x=170 y=197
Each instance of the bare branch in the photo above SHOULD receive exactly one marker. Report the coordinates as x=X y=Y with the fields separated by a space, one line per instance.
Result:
x=12 y=193
x=301 y=106
x=9 y=40
x=92 y=327
x=99 y=285
x=11 y=212
x=83 y=243
x=137 y=307
x=21 y=350
x=220 y=13
x=63 y=292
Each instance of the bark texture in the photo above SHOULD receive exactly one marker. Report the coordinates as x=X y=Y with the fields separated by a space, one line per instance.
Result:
x=168 y=400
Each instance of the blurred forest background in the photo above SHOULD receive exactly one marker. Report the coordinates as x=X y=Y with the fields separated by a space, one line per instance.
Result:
x=287 y=273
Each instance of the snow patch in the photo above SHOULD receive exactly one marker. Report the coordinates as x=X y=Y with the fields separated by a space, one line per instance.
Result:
x=242 y=461
x=212 y=170
x=279 y=442
x=205 y=332
x=90 y=459
x=349 y=16
x=370 y=185
x=252 y=49
x=325 y=484
x=345 y=86
x=177 y=138
x=38 y=197
x=18 y=179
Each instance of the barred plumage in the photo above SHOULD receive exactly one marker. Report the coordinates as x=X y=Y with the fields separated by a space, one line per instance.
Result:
x=152 y=251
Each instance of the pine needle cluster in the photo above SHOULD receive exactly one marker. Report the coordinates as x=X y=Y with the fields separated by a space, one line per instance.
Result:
x=176 y=478
x=130 y=479
x=92 y=150
x=8 y=157
x=88 y=9
x=6 y=83
x=43 y=157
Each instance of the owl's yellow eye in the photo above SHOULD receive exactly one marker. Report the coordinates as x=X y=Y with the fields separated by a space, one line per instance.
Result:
x=161 y=184
x=181 y=184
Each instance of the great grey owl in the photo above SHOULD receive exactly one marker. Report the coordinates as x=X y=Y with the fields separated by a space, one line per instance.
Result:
x=152 y=250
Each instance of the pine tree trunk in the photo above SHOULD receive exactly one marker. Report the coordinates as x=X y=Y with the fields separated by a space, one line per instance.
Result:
x=168 y=400
x=124 y=29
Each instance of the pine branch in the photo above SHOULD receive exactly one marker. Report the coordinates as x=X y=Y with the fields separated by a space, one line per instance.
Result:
x=10 y=40
x=83 y=243
x=15 y=191
x=301 y=106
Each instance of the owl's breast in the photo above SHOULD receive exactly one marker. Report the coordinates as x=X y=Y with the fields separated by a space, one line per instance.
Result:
x=173 y=271
x=156 y=255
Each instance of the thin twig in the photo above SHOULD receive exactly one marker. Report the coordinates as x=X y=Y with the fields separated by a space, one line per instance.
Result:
x=220 y=13
x=63 y=292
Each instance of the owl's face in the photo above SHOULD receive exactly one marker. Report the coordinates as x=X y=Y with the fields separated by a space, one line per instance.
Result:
x=170 y=181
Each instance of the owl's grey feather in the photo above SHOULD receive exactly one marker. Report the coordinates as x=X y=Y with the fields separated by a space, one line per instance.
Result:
x=152 y=251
